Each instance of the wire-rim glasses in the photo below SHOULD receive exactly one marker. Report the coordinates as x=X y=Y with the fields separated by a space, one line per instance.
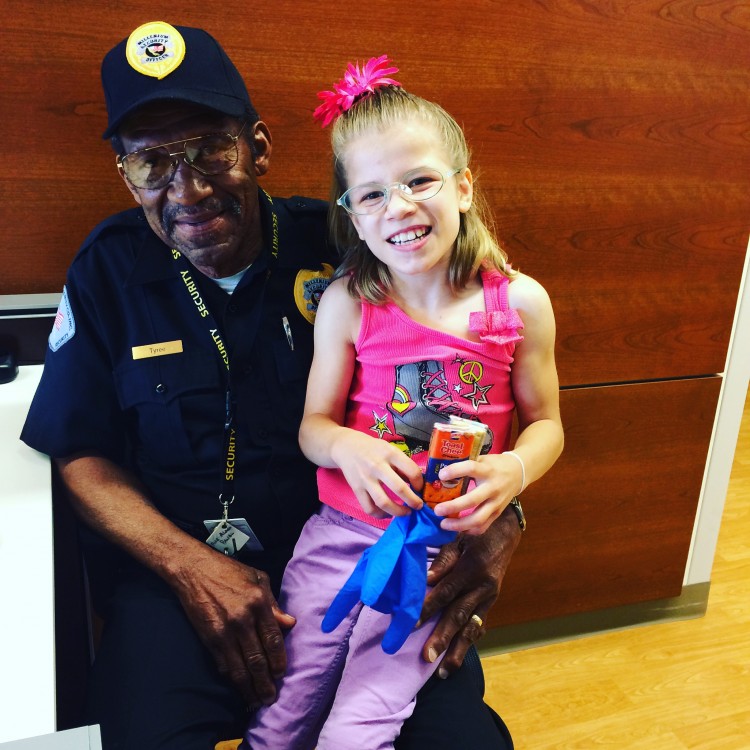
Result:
x=416 y=185
x=154 y=167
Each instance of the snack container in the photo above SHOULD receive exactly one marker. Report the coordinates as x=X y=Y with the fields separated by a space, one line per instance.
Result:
x=458 y=440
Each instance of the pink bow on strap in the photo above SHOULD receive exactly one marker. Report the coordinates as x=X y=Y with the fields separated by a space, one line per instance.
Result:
x=498 y=326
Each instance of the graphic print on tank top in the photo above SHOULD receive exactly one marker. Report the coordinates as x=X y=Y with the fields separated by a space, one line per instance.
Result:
x=430 y=391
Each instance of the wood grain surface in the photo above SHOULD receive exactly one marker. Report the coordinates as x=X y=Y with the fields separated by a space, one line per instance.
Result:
x=612 y=522
x=670 y=686
x=612 y=138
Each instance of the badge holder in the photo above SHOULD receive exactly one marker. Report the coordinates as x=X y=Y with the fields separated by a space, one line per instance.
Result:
x=230 y=535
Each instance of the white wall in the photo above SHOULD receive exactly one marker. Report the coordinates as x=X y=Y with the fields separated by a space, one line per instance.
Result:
x=724 y=440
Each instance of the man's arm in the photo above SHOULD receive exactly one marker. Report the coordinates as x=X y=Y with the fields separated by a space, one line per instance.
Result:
x=229 y=604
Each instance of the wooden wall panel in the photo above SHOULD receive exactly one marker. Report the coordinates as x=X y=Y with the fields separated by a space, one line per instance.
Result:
x=611 y=525
x=613 y=139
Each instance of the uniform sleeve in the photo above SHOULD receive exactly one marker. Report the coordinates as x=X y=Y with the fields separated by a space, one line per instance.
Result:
x=75 y=407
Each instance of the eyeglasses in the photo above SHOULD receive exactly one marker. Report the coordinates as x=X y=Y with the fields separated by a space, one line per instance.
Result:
x=416 y=185
x=154 y=167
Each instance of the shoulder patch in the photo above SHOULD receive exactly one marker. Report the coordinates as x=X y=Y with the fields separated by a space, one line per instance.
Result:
x=64 y=327
x=308 y=289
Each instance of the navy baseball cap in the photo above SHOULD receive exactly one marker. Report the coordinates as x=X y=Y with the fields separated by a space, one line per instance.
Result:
x=161 y=62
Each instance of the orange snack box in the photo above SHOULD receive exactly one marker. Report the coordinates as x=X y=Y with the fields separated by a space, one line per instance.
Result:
x=458 y=440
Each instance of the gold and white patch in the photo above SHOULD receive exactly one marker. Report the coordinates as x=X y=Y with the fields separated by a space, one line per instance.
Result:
x=155 y=49
x=308 y=288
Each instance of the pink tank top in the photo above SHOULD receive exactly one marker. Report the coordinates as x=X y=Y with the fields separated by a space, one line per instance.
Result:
x=408 y=376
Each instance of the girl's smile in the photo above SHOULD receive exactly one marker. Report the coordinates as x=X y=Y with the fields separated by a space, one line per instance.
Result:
x=408 y=236
x=412 y=237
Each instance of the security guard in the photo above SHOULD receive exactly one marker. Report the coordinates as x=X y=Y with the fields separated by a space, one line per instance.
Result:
x=171 y=398
x=134 y=370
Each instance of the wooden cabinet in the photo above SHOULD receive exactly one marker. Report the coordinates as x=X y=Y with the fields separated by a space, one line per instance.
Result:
x=612 y=523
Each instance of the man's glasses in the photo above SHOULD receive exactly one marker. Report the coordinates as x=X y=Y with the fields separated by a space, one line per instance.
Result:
x=154 y=167
x=416 y=185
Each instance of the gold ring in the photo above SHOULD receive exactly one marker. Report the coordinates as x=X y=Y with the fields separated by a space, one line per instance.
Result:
x=477 y=619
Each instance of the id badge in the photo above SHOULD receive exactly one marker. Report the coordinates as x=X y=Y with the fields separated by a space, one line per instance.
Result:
x=230 y=535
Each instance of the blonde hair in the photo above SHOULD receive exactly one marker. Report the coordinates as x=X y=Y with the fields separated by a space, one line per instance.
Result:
x=475 y=245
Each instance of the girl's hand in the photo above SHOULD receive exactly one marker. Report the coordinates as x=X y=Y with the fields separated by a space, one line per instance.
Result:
x=370 y=466
x=498 y=479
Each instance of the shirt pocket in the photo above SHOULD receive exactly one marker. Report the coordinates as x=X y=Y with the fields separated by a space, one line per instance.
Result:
x=292 y=365
x=175 y=405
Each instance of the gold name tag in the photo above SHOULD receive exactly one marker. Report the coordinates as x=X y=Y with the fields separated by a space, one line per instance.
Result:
x=157 y=350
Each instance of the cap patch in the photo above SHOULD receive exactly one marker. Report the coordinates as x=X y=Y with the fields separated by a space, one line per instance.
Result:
x=155 y=49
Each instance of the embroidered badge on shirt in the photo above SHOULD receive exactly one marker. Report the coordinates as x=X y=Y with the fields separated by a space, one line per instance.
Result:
x=308 y=289
x=155 y=49
x=64 y=327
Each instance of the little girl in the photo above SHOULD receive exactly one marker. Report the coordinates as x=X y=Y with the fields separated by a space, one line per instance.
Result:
x=421 y=322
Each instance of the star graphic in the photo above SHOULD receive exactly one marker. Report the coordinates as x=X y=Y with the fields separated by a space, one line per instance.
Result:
x=478 y=395
x=380 y=425
x=457 y=388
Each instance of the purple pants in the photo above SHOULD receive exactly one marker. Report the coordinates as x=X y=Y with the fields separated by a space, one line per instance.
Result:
x=341 y=690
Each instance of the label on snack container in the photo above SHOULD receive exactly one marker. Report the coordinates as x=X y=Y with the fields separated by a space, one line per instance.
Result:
x=456 y=441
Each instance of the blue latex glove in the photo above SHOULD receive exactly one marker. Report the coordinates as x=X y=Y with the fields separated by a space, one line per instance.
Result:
x=391 y=576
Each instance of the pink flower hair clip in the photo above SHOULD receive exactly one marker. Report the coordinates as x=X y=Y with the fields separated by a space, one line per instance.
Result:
x=355 y=84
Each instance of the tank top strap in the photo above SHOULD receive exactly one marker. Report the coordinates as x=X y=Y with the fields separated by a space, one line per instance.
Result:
x=495 y=286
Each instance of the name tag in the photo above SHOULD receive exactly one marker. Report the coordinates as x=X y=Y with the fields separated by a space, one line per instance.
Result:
x=157 y=350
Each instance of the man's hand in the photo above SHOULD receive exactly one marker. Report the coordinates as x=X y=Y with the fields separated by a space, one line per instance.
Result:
x=236 y=615
x=229 y=604
x=467 y=575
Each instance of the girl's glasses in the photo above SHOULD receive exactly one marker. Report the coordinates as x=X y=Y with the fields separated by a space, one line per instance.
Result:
x=416 y=185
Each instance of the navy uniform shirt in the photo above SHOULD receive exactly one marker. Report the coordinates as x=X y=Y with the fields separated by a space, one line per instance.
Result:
x=108 y=389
